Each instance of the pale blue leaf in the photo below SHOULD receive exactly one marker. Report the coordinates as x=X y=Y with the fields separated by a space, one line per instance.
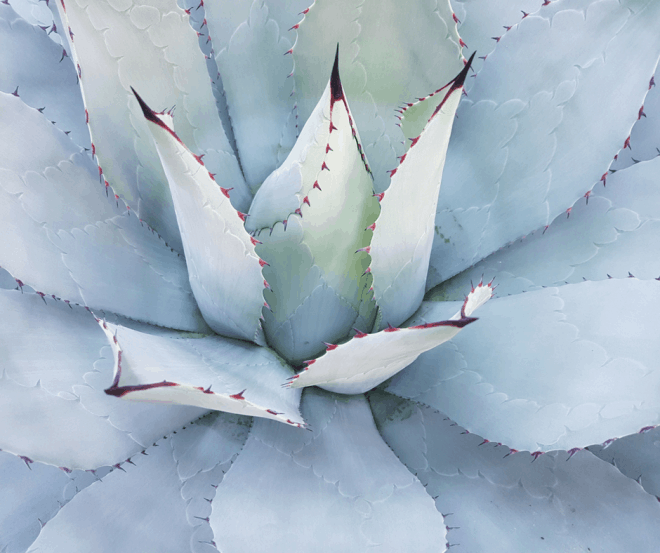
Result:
x=367 y=360
x=337 y=488
x=148 y=505
x=481 y=23
x=539 y=130
x=255 y=71
x=319 y=230
x=53 y=409
x=404 y=233
x=154 y=50
x=559 y=368
x=498 y=501
x=636 y=456
x=66 y=235
x=211 y=372
x=393 y=53
x=613 y=233
x=30 y=495
x=42 y=74
x=225 y=272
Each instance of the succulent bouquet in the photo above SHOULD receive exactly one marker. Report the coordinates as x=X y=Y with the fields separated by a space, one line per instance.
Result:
x=238 y=308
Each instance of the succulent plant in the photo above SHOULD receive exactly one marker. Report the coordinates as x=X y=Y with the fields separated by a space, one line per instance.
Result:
x=233 y=292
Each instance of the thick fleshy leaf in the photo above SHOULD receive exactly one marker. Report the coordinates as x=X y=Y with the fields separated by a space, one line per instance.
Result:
x=149 y=46
x=255 y=75
x=613 y=233
x=559 y=368
x=369 y=359
x=64 y=236
x=31 y=494
x=39 y=70
x=644 y=142
x=44 y=15
x=211 y=372
x=532 y=138
x=636 y=456
x=498 y=501
x=420 y=53
x=297 y=292
x=481 y=23
x=325 y=188
x=52 y=406
x=338 y=488
x=404 y=233
x=225 y=271
x=150 y=504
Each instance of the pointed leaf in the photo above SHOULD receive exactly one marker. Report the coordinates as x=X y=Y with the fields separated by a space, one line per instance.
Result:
x=39 y=71
x=64 y=236
x=532 y=138
x=225 y=271
x=147 y=505
x=52 y=405
x=636 y=456
x=255 y=74
x=326 y=200
x=558 y=368
x=369 y=359
x=498 y=501
x=613 y=233
x=349 y=492
x=211 y=372
x=420 y=53
x=402 y=241
x=154 y=50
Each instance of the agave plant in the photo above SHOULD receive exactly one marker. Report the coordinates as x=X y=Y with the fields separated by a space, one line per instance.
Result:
x=234 y=296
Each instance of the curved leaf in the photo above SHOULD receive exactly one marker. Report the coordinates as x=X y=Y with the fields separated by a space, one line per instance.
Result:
x=369 y=359
x=255 y=74
x=31 y=494
x=42 y=73
x=225 y=271
x=349 y=491
x=497 y=501
x=52 y=405
x=532 y=137
x=117 y=46
x=613 y=233
x=210 y=372
x=558 y=368
x=64 y=236
x=126 y=500
x=327 y=203
x=403 y=237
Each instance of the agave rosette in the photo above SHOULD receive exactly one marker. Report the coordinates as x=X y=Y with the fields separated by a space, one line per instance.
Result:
x=203 y=279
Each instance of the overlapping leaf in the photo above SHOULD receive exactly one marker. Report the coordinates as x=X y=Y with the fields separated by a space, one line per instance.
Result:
x=499 y=501
x=559 y=368
x=539 y=130
x=369 y=359
x=66 y=235
x=289 y=489
x=225 y=272
x=112 y=45
x=210 y=372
